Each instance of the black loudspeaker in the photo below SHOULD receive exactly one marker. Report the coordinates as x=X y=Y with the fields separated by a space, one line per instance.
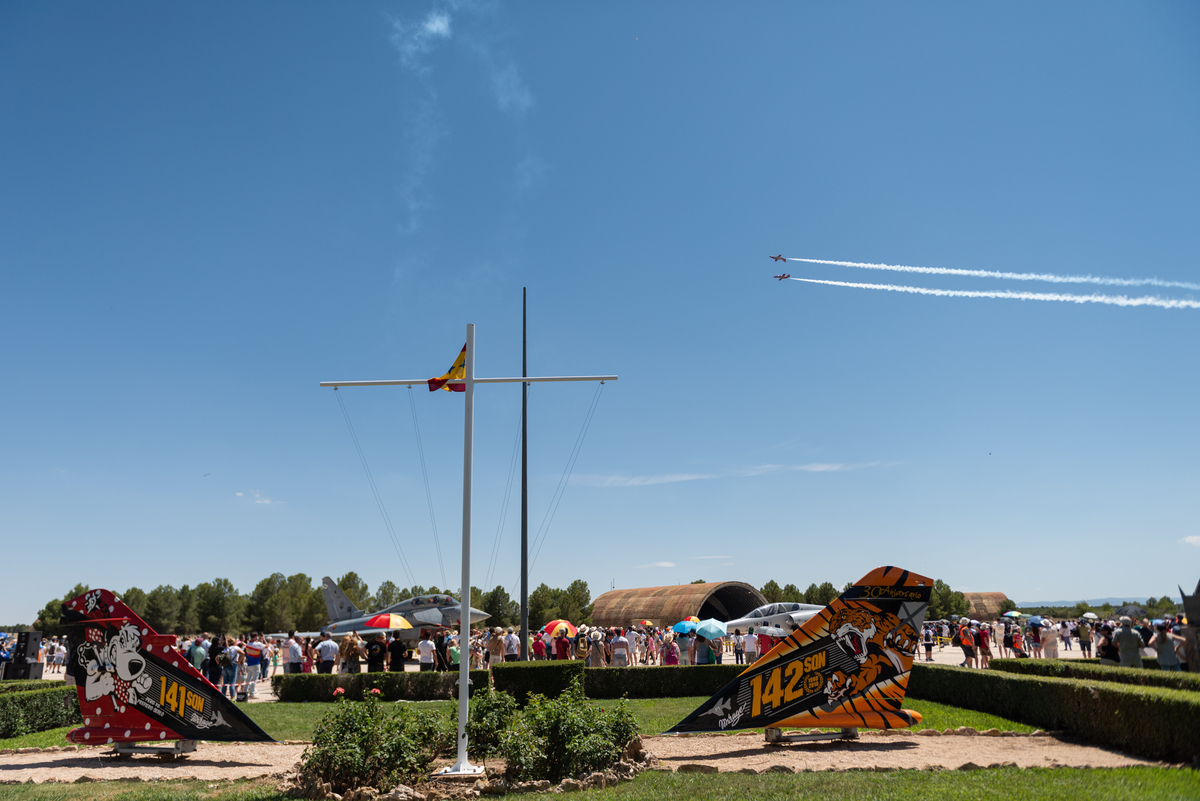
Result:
x=25 y=664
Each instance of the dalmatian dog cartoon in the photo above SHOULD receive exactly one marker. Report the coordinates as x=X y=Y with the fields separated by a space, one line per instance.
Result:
x=115 y=667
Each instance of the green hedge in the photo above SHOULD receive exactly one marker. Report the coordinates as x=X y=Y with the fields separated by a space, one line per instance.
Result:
x=429 y=686
x=658 y=682
x=25 y=685
x=549 y=677
x=38 y=710
x=1057 y=669
x=1148 y=663
x=1154 y=722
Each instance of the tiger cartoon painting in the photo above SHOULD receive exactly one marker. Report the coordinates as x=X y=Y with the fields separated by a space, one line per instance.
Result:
x=847 y=666
x=875 y=640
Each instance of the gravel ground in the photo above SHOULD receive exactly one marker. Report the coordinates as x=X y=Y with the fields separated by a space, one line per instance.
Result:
x=208 y=761
x=874 y=750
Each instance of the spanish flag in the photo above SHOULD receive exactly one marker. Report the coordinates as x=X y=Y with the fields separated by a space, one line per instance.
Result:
x=457 y=370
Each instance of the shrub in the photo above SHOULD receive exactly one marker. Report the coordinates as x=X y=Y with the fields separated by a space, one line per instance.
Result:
x=565 y=736
x=1054 y=668
x=397 y=686
x=25 y=685
x=659 y=681
x=1153 y=722
x=546 y=677
x=38 y=710
x=364 y=744
x=491 y=714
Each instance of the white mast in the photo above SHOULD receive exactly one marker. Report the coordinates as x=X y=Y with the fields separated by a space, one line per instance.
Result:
x=463 y=767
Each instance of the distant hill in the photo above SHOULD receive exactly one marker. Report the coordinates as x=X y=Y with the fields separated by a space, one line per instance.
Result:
x=1115 y=601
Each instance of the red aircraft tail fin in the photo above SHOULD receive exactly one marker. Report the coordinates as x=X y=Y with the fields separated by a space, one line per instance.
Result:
x=135 y=687
x=847 y=666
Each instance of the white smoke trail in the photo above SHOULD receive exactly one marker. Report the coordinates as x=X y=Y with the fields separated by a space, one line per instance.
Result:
x=1111 y=300
x=1048 y=277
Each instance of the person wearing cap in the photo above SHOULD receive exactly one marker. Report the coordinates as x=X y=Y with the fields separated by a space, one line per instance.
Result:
x=1129 y=643
x=512 y=646
x=377 y=653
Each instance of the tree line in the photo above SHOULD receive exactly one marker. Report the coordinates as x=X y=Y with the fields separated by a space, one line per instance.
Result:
x=286 y=603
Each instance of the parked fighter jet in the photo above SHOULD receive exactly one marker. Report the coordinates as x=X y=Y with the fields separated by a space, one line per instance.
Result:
x=786 y=616
x=423 y=612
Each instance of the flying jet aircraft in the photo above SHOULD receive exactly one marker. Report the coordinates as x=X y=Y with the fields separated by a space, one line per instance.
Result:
x=781 y=276
x=786 y=616
x=847 y=666
x=779 y=257
x=423 y=612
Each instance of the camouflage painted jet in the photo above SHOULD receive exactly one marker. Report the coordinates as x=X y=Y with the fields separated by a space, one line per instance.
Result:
x=422 y=612
x=847 y=666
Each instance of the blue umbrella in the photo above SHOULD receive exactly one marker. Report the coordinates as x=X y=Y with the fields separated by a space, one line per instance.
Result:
x=684 y=626
x=1037 y=621
x=711 y=629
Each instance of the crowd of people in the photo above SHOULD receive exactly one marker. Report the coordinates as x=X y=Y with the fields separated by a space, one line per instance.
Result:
x=236 y=664
x=1122 y=642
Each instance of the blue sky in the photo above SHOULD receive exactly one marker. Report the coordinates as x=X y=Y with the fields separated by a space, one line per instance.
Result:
x=205 y=212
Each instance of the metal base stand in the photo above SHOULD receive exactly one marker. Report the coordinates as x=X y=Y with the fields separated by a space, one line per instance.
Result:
x=177 y=750
x=777 y=736
x=463 y=770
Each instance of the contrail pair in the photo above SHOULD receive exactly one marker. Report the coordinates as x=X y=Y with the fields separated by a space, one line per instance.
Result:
x=1110 y=300
x=1047 y=277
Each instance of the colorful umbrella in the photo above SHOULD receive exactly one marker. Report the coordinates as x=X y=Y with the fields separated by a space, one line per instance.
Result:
x=554 y=625
x=685 y=626
x=1012 y=614
x=711 y=629
x=387 y=621
x=692 y=619
x=642 y=623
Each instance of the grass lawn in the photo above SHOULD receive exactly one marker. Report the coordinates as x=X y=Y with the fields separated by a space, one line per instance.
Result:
x=1035 y=784
x=654 y=715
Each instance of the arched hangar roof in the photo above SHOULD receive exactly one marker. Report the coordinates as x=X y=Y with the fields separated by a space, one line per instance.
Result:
x=664 y=606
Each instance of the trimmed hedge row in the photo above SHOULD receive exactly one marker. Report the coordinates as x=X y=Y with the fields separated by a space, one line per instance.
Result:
x=1154 y=722
x=25 y=685
x=1057 y=669
x=658 y=682
x=1148 y=662
x=38 y=710
x=551 y=678
x=428 y=686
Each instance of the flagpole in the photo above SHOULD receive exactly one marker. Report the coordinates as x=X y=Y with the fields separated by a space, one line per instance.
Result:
x=463 y=767
x=524 y=484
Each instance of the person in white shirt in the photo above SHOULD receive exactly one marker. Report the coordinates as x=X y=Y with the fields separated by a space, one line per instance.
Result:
x=512 y=646
x=285 y=655
x=750 y=646
x=425 y=651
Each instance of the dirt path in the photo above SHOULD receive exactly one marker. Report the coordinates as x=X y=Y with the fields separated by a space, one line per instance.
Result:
x=749 y=752
x=209 y=761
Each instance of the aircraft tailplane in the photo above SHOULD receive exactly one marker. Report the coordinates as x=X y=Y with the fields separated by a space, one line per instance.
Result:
x=337 y=604
x=847 y=666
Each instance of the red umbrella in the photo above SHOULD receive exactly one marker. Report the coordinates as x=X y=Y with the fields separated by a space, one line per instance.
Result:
x=554 y=625
x=387 y=621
